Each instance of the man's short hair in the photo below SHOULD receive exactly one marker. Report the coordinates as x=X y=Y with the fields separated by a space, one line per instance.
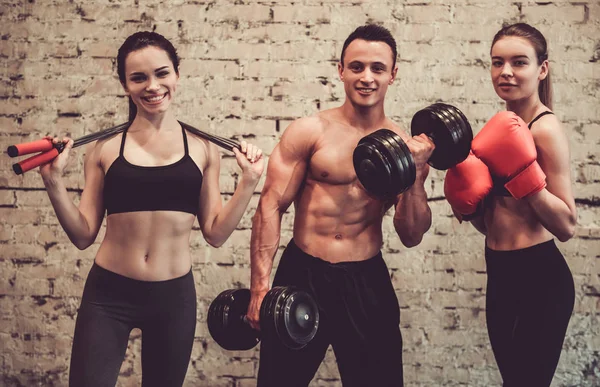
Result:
x=372 y=33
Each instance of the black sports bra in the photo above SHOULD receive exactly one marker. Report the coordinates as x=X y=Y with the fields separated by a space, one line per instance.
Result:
x=498 y=188
x=172 y=187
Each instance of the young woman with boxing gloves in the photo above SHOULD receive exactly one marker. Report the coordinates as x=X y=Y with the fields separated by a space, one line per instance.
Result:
x=153 y=180
x=515 y=188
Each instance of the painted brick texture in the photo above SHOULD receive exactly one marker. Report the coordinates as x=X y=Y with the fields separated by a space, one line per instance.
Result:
x=248 y=69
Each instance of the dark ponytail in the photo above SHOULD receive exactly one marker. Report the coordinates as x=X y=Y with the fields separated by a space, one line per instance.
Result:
x=132 y=110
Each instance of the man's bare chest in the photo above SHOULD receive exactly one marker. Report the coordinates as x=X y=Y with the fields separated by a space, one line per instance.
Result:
x=332 y=163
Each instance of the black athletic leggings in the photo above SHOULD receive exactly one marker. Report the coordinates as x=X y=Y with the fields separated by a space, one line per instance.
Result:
x=530 y=297
x=359 y=317
x=111 y=306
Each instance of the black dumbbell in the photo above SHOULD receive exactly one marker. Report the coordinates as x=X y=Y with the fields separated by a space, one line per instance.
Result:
x=384 y=164
x=286 y=313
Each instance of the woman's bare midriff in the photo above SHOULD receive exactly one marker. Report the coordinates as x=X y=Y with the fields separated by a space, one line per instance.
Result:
x=511 y=225
x=147 y=245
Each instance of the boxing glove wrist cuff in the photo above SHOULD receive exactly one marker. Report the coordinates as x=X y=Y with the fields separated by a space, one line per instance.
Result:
x=468 y=217
x=478 y=212
x=529 y=181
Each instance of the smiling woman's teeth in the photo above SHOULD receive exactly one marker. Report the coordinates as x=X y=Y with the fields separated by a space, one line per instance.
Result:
x=155 y=99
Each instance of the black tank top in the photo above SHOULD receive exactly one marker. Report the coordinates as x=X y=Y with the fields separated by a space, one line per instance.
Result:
x=498 y=188
x=173 y=187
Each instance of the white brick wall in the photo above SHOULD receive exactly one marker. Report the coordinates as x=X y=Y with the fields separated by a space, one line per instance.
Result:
x=268 y=63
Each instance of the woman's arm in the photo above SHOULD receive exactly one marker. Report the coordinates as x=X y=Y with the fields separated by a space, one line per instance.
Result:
x=217 y=222
x=554 y=206
x=479 y=224
x=80 y=223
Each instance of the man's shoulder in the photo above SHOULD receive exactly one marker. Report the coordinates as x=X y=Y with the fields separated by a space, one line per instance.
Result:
x=305 y=129
x=315 y=122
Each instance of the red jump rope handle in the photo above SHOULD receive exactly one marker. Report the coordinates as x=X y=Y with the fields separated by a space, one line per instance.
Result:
x=34 y=161
x=25 y=148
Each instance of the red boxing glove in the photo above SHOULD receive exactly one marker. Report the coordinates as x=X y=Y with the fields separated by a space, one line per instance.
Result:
x=506 y=146
x=466 y=185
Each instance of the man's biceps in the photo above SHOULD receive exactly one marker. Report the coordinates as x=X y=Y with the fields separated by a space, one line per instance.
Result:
x=279 y=166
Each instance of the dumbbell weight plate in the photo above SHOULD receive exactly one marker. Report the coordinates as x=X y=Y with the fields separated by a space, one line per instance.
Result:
x=463 y=135
x=401 y=160
x=408 y=170
x=443 y=110
x=226 y=324
x=267 y=313
x=452 y=144
x=224 y=300
x=439 y=129
x=383 y=164
x=289 y=315
x=297 y=313
x=392 y=152
x=465 y=125
x=238 y=334
x=215 y=318
x=454 y=153
x=373 y=169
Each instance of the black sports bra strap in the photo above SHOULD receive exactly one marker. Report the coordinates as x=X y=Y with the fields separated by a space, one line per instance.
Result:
x=123 y=142
x=185 y=144
x=538 y=117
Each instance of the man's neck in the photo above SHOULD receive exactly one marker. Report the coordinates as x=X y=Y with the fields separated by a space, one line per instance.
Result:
x=364 y=118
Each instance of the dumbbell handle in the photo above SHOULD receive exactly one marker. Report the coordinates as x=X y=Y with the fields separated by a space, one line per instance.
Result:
x=431 y=136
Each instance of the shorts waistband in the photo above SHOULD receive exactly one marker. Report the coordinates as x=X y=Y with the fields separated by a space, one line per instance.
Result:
x=530 y=251
x=120 y=281
x=298 y=253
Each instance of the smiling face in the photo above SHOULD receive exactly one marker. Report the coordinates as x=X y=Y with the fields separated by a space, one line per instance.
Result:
x=367 y=72
x=516 y=73
x=150 y=80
